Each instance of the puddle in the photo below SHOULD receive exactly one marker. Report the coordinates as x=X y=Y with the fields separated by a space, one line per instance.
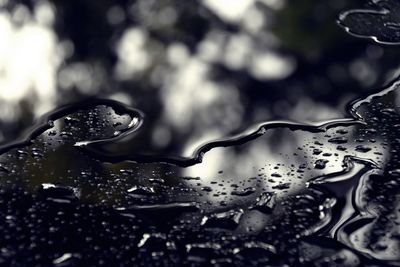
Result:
x=379 y=21
x=167 y=179
x=239 y=199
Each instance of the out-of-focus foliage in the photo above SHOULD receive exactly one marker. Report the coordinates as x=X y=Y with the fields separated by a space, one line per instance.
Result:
x=198 y=69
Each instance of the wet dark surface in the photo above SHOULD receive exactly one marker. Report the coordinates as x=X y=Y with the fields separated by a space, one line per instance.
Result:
x=380 y=21
x=332 y=200
x=234 y=141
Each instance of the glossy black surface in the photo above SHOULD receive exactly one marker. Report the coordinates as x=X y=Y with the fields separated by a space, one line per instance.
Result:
x=229 y=145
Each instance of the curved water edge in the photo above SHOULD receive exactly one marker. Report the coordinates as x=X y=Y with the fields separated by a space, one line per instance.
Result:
x=319 y=186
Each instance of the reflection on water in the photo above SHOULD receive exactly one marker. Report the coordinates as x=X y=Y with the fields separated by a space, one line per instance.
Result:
x=194 y=69
x=191 y=179
x=380 y=21
x=250 y=186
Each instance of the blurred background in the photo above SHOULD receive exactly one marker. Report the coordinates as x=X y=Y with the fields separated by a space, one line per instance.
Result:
x=198 y=69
